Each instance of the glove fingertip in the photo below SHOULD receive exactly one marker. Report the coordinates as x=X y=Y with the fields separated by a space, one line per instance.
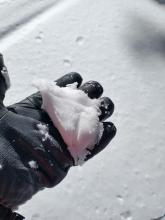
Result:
x=109 y=130
x=69 y=78
x=108 y=134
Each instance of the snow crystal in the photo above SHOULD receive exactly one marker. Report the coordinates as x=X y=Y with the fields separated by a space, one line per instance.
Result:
x=74 y=114
x=44 y=131
x=33 y=164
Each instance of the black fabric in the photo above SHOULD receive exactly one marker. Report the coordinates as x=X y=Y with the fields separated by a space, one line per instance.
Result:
x=21 y=143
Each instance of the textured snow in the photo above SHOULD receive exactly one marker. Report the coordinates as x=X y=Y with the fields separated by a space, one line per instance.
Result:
x=121 y=44
x=43 y=129
x=74 y=114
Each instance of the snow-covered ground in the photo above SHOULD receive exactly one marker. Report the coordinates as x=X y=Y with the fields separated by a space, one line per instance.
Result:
x=121 y=44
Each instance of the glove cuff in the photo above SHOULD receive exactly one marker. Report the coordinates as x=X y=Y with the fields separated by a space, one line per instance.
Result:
x=7 y=214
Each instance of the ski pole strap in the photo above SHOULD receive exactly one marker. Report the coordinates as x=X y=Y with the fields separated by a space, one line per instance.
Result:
x=7 y=214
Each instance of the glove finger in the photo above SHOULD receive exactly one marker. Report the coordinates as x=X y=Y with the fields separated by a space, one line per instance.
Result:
x=106 y=108
x=93 y=89
x=108 y=134
x=69 y=78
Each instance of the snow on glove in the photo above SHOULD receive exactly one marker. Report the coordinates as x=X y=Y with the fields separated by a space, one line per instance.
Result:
x=33 y=154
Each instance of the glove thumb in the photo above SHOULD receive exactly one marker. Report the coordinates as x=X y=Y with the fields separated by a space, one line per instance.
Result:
x=4 y=80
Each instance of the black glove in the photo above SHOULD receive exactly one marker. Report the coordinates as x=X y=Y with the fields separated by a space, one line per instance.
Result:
x=28 y=161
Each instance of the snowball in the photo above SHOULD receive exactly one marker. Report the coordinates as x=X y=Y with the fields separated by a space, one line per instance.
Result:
x=75 y=116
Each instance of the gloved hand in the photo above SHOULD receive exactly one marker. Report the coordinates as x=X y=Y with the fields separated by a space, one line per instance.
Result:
x=29 y=161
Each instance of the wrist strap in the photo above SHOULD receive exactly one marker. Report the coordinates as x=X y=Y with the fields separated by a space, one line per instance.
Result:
x=7 y=214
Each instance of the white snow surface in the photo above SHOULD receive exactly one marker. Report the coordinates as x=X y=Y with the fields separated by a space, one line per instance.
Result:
x=74 y=114
x=120 y=44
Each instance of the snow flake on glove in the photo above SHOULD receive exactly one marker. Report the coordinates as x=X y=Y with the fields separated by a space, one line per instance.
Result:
x=33 y=164
x=44 y=131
